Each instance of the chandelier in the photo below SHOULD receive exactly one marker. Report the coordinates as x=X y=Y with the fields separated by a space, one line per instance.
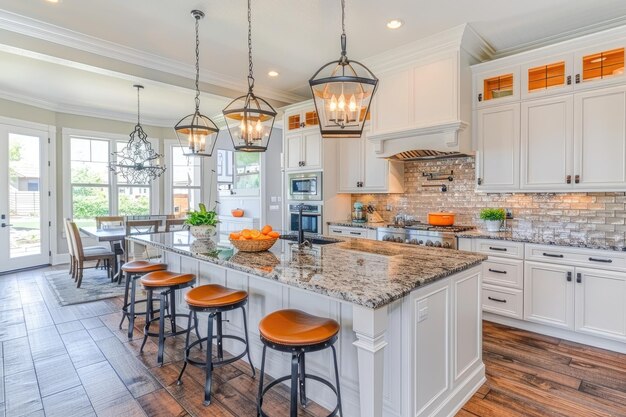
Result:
x=197 y=134
x=250 y=118
x=343 y=91
x=137 y=162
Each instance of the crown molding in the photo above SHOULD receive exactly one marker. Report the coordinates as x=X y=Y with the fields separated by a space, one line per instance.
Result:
x=55 y=34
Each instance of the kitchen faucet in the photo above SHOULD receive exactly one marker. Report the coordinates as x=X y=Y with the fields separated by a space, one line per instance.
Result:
x=301 y=241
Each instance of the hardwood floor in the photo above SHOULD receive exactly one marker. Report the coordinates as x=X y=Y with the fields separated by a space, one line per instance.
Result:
x=74 y=361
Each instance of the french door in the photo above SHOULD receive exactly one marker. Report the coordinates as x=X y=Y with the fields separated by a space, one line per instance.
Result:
x=24 y=227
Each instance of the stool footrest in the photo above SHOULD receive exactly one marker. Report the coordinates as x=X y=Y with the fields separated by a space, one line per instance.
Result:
x=170 y=334
x=306 y=376
x=219 y=362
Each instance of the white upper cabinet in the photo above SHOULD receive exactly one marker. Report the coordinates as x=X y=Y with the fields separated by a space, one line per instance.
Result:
x=547 y=143
x=303 y=150
x=495 y=87
x=361 y=171
x=498 y=133
x=600 y=65
x=419 y=95
x=600 y=138
x=547 y=76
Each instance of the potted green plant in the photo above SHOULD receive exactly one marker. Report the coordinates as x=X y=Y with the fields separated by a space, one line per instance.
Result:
x=493 y=218
x=202 y=223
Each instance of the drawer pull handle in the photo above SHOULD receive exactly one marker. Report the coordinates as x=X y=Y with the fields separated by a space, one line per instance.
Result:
x=497 y=271
x=497 y=300
x=500 y=249
x=355 y=233
x=606 y=261
x=337 y=231
x=552 y=255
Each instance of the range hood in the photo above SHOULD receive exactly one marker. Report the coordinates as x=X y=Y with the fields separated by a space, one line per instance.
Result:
x=424 y=155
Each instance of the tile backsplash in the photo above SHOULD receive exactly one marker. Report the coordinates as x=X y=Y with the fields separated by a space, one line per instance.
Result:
x=556 y=216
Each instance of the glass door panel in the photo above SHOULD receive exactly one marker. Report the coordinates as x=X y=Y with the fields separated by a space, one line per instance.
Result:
x=546 y=76
x=498 y=87
x=603 y=65
x=24 y=233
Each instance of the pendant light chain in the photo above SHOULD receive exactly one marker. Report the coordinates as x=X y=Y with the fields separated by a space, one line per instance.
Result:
x=344 y=58
x=198 y=17
x=250 y=74
x=138 y=107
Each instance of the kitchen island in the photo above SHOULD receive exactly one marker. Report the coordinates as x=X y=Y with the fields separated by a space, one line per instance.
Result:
x=410 y=343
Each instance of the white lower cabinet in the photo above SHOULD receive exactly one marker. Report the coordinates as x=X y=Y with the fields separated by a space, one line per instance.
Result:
x=353 y=232
x=601 y=303
x=549 y=294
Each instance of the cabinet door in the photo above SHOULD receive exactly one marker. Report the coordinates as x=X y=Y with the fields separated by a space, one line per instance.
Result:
x=600 y=138
x=392 y=105
x=498 y=136
x=350 y=164
x=547 y=144
x=375 y=170
x=549 y=76
x=496 y=87
x=599 y=65
x=601 y=303
x=549 y=294
x=312 y=148
x=294 y=151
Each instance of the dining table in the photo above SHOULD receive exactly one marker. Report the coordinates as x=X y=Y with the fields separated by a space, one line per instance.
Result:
x=112 y=235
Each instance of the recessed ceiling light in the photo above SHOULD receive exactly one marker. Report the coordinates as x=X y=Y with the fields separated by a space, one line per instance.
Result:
x=273 y=73
x=52 y=1
x=394 y=23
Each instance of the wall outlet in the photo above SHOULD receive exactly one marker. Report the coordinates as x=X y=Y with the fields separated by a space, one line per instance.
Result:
x=274 y=207
x=509 y=213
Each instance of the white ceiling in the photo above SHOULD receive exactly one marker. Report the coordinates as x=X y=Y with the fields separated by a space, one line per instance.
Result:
x=293 y=37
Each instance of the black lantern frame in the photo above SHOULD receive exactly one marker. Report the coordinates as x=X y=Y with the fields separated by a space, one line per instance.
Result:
x=250 y=119
x=343 y=91
x=196 y=133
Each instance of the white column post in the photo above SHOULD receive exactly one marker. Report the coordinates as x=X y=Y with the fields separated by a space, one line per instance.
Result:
x=370 y=326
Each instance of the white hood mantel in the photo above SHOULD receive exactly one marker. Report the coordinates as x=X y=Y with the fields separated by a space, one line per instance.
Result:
x=424 y=98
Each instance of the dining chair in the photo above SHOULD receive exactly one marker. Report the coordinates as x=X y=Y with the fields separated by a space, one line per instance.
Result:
x=172 y=225
x=70 y=247
x=134 y=227
x=110 y=221
x=105 y=255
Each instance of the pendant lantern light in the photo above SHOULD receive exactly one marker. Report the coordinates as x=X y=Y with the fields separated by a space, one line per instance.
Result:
x=137 y=162
x=343 y=91
x=197 y=134
x=249 y=118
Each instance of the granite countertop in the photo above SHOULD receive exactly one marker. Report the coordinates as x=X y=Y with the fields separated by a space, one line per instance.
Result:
x=364 y=272
x=527 y=236
x=366 y=225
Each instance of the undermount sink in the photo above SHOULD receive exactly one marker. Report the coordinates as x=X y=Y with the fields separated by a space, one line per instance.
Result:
x=312 y=240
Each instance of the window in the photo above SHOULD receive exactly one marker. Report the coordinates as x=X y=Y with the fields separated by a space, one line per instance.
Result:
x=94 y=189
x=238 y=173
x=186 y=181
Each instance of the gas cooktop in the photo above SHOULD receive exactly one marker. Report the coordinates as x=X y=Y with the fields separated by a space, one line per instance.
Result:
x=422 y=234
x=453 y=229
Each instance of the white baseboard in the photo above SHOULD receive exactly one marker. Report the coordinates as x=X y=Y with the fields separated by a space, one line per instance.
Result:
x=560 y=333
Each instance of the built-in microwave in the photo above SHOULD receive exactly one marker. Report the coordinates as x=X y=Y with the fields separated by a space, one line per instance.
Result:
x=305 y=186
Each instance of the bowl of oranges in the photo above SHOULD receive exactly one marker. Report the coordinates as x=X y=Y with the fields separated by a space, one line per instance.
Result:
x=252 y=240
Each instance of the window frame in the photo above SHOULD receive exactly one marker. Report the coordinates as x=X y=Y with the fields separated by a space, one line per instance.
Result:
x=113 y=185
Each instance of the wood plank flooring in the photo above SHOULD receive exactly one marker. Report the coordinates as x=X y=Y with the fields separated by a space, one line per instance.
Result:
x=74 y=361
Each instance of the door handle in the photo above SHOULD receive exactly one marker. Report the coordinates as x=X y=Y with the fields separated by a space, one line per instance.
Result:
x=577 y=179
x=5 y=225
x=568 y=179
x=579 y=277
x=569 y=277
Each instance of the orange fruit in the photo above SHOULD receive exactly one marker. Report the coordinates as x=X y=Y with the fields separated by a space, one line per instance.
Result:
x=255 y=234
x=274 y=234
x=266 y=229
x=234 y=236
x=242 y=238
x=246 y=233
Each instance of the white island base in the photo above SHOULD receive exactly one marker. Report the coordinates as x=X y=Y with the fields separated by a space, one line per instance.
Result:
x=418 y=356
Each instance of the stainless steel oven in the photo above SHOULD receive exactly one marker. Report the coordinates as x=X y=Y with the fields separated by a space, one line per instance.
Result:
x=311 y=218
x=305 y=186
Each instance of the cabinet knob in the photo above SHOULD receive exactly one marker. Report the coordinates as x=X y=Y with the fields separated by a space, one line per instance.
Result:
x=577 y=78
x=568 y=179
x=480 y=97
x=480 y=181
x=569 y=80
x=579 y=277
x=577 y=179
x=569 y=277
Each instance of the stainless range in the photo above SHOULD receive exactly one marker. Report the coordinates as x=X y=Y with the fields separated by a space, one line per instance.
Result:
x=422 y=234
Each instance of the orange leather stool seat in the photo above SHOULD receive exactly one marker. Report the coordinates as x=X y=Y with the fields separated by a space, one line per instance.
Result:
x=214 y=295
x=142 y=267
x=159 y=279
x=297 y=328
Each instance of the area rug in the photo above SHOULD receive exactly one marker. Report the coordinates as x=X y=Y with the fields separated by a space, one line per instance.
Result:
x=96 y=286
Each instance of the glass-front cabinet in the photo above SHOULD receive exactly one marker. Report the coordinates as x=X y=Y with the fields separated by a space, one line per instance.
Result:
x=552 y=75
x=495 y=87
x=600 y=65
x=302 y=120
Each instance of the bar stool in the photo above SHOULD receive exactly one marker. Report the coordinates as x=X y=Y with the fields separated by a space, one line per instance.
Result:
x=133 y=271
x=215 y=300
x=298 y=333
x=165 y=283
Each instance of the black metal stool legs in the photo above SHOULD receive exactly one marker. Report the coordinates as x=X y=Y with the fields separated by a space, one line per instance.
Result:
x=337 y=380
x=245 y=329
x=302 y=380
x=260 y=396
x=209 y=360
x=293 y=409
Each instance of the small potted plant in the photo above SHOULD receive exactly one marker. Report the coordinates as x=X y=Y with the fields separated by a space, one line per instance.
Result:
x=493 y=218
x=202 y=223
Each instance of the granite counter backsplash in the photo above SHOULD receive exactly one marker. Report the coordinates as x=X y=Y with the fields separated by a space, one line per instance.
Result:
x=589 y=219
x=364 y=272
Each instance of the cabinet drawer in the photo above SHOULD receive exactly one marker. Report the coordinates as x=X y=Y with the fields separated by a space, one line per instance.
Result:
x=500 y=248
x=504 y=272
x=504 y=301
x=598 y=259
x=354 y=232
